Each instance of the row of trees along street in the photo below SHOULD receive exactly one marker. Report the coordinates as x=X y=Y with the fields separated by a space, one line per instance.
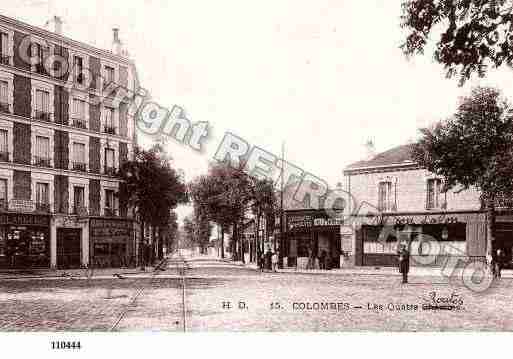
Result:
x=474 y=147
x=154 y=189
x=227 y=197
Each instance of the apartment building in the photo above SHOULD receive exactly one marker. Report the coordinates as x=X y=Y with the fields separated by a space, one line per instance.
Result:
x=396 y=199
x=63 y=137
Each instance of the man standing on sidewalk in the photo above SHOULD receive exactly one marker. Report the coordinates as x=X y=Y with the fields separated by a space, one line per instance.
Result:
x=274 y=260
x=404 y=262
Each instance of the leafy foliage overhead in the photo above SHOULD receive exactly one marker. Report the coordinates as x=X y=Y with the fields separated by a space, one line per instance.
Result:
x=472 y=35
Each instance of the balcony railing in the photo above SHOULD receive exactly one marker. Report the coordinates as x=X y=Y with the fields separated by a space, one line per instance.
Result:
x=4 y=107
x=79 y=123
x=110 y=212
x=42 y=161
x=78 y=166
x=4 y=205
x=43 y=207
x=4 y=156
x=110 y=171
x=5 y=60
x=110 y=130
x=42 y=115
x=80 y=210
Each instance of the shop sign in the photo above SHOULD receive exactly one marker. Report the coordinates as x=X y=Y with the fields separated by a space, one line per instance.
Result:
x=21 y=205
x=24 y=219
x=111 y=231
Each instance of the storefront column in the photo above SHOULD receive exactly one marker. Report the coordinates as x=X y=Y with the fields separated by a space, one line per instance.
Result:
x=53 y=244
x=85 y=245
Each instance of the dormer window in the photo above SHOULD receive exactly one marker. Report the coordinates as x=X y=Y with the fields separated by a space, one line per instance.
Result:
x=385 y=196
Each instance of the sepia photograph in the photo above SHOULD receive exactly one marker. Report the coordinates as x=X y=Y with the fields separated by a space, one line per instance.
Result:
x=329 y=166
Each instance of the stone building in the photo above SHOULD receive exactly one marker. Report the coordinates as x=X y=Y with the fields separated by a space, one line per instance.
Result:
x=63 y=137
x=393 y=198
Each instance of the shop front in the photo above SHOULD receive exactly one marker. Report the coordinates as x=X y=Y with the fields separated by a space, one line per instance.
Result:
x=430 y=237
x=24 y=240
x=312 y=240
x=112 y=243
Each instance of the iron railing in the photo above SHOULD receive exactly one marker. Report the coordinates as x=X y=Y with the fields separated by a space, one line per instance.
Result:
x=110 y=171
x=42 y=115
x=79 y=123
x=42 y=161
x=4 y=107
x=109 y=129
x=78 y=166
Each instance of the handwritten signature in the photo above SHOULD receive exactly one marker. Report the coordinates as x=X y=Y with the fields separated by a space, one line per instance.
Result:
x=434 y=301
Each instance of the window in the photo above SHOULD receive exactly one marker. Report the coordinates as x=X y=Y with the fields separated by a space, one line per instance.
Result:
x=109 y=75
x=109 y=120
x=78 y=198
x=385 y=196
x=78 y=65
x=79 y=113
x=433 y=193
x=3 y=193
x=42 y=157
x=4 y=48
x=4 y=96
x=109 y=161
x=110 y=204
x=37 y=51
x=42 y=196
x=79 y=156
x=4 y=145
x=42 y=105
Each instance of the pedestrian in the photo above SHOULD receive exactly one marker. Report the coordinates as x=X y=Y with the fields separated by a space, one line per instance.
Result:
x=323 y=259
x=499 y=263
x=404 y=262
x=261 y=261
x=274 y=260
x=268 y=262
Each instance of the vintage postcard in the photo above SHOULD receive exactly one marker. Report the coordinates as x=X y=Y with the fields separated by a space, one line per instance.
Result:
x=236 y=166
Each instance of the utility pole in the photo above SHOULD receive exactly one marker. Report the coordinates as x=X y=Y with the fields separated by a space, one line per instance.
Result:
x=281 y=207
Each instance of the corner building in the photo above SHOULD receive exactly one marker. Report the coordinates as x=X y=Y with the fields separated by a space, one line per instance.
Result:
x=60 y=150
x=399 y=199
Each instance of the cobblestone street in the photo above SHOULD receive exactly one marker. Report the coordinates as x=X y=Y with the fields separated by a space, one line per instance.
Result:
x=257 y=302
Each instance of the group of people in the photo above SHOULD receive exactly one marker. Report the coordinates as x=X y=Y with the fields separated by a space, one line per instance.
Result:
x=496 y=262
x=268 y=261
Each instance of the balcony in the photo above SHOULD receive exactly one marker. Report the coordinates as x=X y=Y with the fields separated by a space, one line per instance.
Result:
x=78 y=166
x=79 y=123
x=42 y=161
x=40 y=69
x=4 y=107
x=42 y=207
x=110 y=130
x=80 y=211
x=110 y=171
x=110 y=212
x=4 y=205
x=4 y=156
x=5 y=59
x=42 y=115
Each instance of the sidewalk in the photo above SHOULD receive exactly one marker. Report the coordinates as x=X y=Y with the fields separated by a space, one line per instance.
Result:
x=74 y=273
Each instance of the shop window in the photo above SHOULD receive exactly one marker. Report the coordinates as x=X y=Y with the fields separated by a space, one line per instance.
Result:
x=433 y=199
x=385 y=196
x=3 y=245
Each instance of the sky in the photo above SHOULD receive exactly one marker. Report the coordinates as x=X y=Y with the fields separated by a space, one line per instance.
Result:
x=323 y=76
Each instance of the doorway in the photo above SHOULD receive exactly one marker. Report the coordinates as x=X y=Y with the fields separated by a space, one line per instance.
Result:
x=68 y=248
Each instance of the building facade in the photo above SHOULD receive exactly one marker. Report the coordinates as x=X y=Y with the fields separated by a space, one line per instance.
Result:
x=63 y=137
x=394 y=200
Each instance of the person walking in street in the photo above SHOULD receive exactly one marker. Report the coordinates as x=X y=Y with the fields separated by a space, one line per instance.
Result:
x=274 y=260
x=499 y=263
x=268 y=262
x=404 y=262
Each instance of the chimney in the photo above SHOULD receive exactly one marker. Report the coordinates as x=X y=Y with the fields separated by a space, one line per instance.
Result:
x=116 y=42
x=370 y=150
x=54 y=25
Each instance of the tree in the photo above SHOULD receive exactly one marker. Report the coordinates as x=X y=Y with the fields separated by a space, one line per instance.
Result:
x=473 y=149
x=475 y=34
x=263 y=205
x=153 y=188
x=224 y=195
x=198 y=229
